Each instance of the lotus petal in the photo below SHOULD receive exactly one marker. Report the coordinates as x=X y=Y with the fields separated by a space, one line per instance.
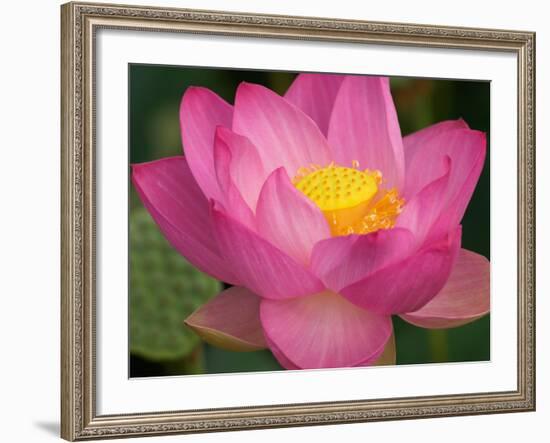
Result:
x=315 y=94
x=262 y=267
x=364 y=127
x=408 y=285
x=170 y=193
x=288 y=219
x=283 y=134
x=323 y=331
x=201 y=111
x=231 y=321
x=464 y=298
x=341 y=261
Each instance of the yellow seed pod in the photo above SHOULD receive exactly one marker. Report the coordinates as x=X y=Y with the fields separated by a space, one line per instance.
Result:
x=338 y=187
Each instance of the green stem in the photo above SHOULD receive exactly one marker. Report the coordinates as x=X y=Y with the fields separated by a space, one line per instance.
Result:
x=438 y=345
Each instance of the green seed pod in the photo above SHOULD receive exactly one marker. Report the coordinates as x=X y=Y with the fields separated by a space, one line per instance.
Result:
x=164 y=290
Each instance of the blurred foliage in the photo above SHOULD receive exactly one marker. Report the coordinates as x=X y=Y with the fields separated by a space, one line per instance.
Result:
x=418 y=345
x=155 y=94
x=218 y=361
x=164 y=290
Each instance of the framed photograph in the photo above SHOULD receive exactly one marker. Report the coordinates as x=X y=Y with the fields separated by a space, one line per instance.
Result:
x=282 y=221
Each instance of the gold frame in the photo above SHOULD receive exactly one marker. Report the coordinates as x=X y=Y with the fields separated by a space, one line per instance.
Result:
x=79 y=22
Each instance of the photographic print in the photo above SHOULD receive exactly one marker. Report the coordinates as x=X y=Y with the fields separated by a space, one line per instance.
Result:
x=287 y=221
x=253 y=201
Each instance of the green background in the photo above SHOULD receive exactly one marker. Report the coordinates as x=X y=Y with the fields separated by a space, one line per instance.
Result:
x=155 y=93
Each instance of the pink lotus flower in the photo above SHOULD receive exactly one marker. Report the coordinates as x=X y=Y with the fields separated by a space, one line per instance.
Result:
x=326 y=221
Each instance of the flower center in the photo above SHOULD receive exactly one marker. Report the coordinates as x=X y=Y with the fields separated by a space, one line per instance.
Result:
x=350 y=199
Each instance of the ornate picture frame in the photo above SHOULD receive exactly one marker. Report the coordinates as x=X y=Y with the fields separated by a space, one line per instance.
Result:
x=80 y=23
